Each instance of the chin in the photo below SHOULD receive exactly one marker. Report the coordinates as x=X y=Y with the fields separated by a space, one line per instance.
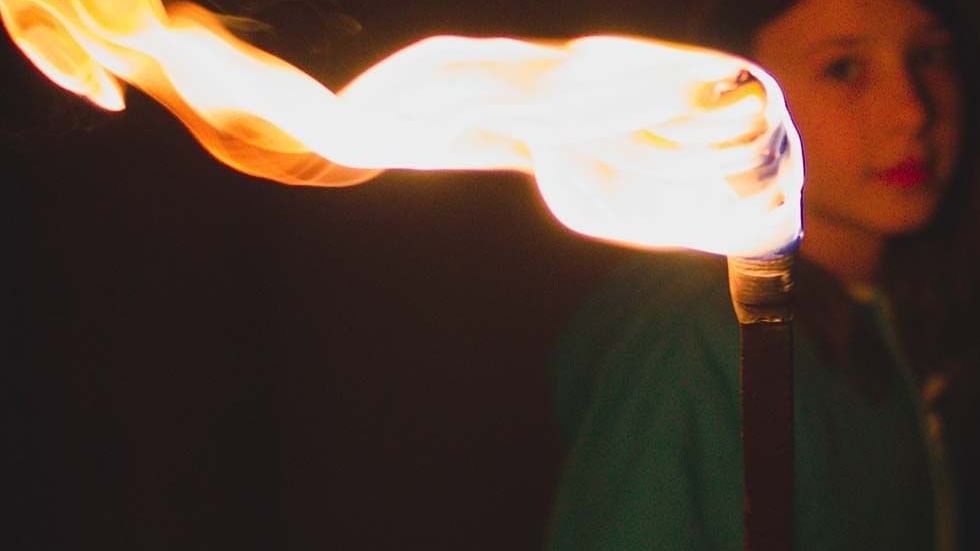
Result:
x=903 y=215
x=903 y=223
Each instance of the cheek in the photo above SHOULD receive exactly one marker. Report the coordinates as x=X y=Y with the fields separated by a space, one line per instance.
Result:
x=835 y=159
x=832 y=135
x=946 y=95
x=949 y=114
x=833 y=145
x=945 y=89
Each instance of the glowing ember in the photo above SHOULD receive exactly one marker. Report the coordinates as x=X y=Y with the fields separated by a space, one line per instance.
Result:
x=635 y=141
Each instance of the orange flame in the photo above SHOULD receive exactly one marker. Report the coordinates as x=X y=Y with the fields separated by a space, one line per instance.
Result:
x=635 y=141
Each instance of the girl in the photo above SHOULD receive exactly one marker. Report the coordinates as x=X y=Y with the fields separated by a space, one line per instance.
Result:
x=647 y=379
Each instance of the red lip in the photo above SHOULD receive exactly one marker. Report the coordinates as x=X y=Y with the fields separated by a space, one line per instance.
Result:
x=908 y=174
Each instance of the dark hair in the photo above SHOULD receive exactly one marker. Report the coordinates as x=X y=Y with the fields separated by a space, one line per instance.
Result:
x=728 y=25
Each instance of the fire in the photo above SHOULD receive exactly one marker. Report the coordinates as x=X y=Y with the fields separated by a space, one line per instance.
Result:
x=631 y=140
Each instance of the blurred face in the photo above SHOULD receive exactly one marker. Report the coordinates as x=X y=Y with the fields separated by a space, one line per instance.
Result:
x=872 y=88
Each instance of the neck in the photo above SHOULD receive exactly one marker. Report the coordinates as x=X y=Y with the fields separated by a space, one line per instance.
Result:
x=851 y=254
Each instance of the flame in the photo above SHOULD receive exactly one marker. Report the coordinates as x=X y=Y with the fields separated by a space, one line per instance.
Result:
x=631 y=140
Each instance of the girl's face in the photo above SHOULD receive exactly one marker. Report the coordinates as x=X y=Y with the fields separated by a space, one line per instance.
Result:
x=877 y=100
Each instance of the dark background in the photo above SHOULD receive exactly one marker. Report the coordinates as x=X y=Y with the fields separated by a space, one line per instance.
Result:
x=201 y=360
x=195 y=359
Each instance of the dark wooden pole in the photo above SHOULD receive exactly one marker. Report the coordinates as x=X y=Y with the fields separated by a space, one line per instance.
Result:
x=762 y=291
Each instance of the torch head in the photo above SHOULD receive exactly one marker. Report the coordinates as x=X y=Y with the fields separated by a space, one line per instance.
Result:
x=722 y=173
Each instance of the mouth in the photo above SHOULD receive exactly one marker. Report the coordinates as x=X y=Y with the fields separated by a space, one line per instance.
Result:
x=911 y=173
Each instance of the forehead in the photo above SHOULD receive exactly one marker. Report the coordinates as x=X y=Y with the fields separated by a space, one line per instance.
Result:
x=810 y=22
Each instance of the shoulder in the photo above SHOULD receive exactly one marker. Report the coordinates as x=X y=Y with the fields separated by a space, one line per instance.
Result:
x=646 y=389
x=666 y=290
x=661 y=326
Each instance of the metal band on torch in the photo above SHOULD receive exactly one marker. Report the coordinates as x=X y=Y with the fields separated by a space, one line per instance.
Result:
x=762 y=292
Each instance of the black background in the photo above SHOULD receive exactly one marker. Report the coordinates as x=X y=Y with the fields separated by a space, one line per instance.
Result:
x=200 y=360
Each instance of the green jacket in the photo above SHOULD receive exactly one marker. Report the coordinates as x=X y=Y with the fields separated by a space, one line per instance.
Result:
x=647 y=393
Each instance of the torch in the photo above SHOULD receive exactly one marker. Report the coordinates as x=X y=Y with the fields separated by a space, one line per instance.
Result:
x=634 y=141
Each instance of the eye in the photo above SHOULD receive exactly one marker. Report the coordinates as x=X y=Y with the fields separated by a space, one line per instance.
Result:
x=843 y=69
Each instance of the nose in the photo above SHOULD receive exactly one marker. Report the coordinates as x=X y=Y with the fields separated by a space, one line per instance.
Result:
x=907 y=102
